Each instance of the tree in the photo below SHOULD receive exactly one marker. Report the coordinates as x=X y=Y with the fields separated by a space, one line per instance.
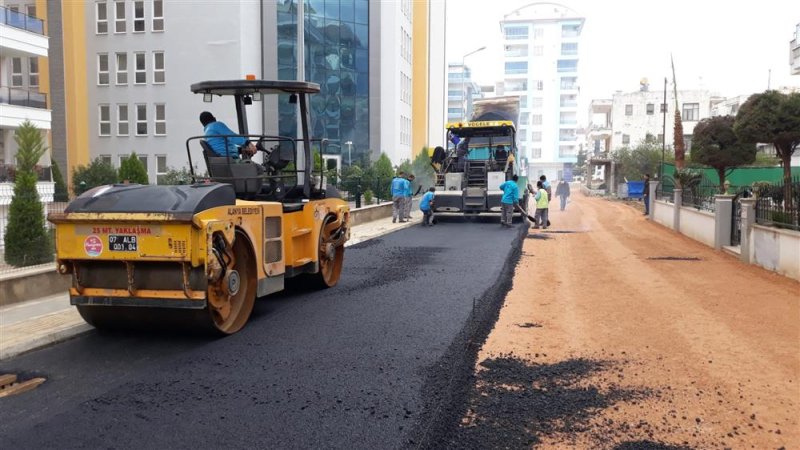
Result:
x=679 y=144
x=61 y=194
x=775 y=118
x=633 y=163
x=132 y=170
x=379 y=176
x=716 y=145
x=422 y=170
x=97 y=173
x=26 y=239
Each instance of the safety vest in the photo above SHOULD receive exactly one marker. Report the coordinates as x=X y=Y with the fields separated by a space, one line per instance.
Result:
x=543 y=199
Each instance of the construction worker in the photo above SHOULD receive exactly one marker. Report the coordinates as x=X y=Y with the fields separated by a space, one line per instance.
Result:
x=426 y=206
x=542 y=207
x=398 y=197
x=408 y=200
x=509 y=201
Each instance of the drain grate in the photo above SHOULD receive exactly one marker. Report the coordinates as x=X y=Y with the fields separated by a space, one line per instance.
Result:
x=10 y=385
x=674 y=258
x=538 y=236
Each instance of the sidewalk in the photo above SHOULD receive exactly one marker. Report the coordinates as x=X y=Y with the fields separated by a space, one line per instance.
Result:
x=43 y=321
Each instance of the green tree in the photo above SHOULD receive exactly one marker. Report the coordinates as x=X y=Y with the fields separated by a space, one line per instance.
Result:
x=422 y=170
x=716 y=145
x=97 y=173
x=26 y=239
x=61 y=194
x=132 y=170
x=633 y=163
x=775 y=118
x=379 y=177
x=175 y=177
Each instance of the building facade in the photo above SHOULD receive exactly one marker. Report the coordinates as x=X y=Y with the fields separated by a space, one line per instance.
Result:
x=541 y=55
x=794 y=52
x=141 y=56
x=462 y=90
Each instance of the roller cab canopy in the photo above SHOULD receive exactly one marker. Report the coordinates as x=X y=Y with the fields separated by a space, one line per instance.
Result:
x=250 y=87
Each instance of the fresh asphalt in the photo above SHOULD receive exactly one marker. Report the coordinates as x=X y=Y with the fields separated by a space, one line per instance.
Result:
x=382 y=360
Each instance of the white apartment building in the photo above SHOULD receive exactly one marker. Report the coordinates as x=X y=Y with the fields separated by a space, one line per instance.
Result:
x=635 y=115
x=460 y=86
x=541 y=45
x=794 y=52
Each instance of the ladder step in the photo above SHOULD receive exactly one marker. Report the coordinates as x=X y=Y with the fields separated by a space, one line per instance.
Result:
x=300 y=232
x=301 y=261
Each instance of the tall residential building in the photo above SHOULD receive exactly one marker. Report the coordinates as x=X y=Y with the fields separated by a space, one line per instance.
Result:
x=541 y=54
x=794 y=51
x=461 y=91
x=141 y=56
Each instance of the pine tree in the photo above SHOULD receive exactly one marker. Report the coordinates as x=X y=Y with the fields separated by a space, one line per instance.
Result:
x=132 y=170
x=61 y=194
x=26 y=240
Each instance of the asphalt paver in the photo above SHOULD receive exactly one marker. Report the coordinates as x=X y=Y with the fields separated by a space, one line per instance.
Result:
x=382 y=360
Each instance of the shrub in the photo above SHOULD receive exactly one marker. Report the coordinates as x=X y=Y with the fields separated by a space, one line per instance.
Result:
x=97 y=173
x=132 y=170
x=61 y=194
x=175 y=177
x=368 y=197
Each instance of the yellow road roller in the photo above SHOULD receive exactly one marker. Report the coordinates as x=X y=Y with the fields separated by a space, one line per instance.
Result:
x=199 y=255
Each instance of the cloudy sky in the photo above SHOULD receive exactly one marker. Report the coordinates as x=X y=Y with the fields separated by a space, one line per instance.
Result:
x=727 y=47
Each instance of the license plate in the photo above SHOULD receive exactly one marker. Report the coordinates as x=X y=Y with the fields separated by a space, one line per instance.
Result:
x=122 y=243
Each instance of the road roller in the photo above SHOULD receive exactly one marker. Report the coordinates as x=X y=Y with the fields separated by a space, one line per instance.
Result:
x=199 y=255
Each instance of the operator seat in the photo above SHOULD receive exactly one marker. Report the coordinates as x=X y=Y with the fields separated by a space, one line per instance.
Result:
x=245 y=176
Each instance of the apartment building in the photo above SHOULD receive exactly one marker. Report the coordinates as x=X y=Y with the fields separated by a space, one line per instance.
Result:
x=541 y=56
x=462 y=90
x=794 y=52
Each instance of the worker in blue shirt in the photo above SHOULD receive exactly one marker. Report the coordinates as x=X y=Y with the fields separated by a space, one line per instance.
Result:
x=426 y=206
x=509 y=201
x=222 y=140
x=409 y=195
x=398 y=197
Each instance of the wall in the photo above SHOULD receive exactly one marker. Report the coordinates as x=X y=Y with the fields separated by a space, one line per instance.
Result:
x=698 y=225
x=662 y=213
x=777 y=250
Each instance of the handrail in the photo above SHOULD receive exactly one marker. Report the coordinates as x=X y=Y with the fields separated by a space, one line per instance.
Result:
x=22 y=97
x=20 y=20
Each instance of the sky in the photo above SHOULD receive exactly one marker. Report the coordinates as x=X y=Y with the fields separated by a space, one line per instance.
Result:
x=727 y=47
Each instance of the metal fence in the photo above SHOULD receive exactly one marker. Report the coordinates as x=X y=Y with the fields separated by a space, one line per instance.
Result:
x=700 y=195
x=773 y=209
x=362 y=192
x=6 y=268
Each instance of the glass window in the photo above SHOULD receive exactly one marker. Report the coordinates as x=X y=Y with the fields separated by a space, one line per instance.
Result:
x=536 y=102
x=141 y=120
x=536 y=136
x=101 y=18
x=536 y=152
x=16 y=72
x=569 y=48
x=516 y=32
x=523 y=101
x=106 y=159
x=626 y=139
x=567 y=65
x=569 y=83
x=536 y=119
x=362 y=11
x=347 y=10
x=516 y=67
x=138 y=17
x=538 y=85
x=691 y=112
x=650 y=109
x=123 y=128
x=362 y=61
x=161 y=120
x=104 y=119
x=570 y=30
x=140 y=75
x=102 y=69
x=158 y=15
x=628 y=110
x=538 y=33
x=332 y=9
x=161 y=168
x=33 y=71
x=513 y=51
x=663 y=108
x=119 y=17
x=159 y=75
x=122 y=68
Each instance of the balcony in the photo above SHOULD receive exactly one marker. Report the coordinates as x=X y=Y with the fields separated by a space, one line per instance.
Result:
x=22 y=97
x=8 y=173
x=19 y=105
x=22 y=21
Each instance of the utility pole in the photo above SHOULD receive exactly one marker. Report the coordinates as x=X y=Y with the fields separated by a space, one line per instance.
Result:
x=663 y=134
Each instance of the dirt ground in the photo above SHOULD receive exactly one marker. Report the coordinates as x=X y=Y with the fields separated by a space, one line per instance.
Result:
x=599 y=346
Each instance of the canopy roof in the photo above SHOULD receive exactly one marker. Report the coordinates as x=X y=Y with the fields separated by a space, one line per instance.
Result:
x=248 y=87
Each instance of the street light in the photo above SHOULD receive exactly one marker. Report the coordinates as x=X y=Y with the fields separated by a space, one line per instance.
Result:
x=463 y=81
x=349 y=145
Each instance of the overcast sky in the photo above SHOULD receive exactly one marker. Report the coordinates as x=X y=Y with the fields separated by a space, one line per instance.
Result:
x=727 y=47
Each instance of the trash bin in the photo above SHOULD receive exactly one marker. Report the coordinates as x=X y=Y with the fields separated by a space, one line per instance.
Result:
x=635 y=189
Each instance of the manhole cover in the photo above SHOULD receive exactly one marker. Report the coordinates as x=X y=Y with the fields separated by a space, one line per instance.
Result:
x=674 y=258
x=538 y=236
x=10 y=385
x=529 y=325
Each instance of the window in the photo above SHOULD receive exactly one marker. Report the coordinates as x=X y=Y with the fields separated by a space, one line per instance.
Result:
x=538 y=50
x=539 y=85
x=538 y=33
x=16 y=72
x=536 y=152
x=691 y=112
x=536 y=102
x=161 y=168
x=516 y=32
x=628 y=110
x=660 y=137
x=122 y=68
x=569 y=48
x=140 y=74
x=626 y=139
x=523 y=119
x=650 y=109
x=143 y=160
x=106 y=159
x=123 y=126
x=102 y=69
x=138 y=17
x=569 y=117
x=454 y=110
x=516 y=67
x=101 y=18
x=569 y=100
x=30 y=10
x=513 y=51
x=523 y=137
x=517 y=85
x=33 y=72
x=567 y=151
x=158 y=15
x=119 y=17
x=569 y=83
x=663 y=108
x=523 y=101
x=536 y=136
x=536 y=119
x=161 y=120
x=567 y=65
x=104 y=120
x=141 y=120
x=570 y=30
x=159 y=75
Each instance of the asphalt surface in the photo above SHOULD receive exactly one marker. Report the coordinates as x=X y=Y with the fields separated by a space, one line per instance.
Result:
x=383 y=360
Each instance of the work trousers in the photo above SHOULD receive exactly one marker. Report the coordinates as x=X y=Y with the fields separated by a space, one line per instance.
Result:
x=506 y=213
x=563 y=201
x=427 y=216
x=398 y=206
x=541 y=218
x=407 y=208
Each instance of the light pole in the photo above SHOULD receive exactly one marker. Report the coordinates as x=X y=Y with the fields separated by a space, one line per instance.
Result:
x=463 y=81
x=349 y=145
